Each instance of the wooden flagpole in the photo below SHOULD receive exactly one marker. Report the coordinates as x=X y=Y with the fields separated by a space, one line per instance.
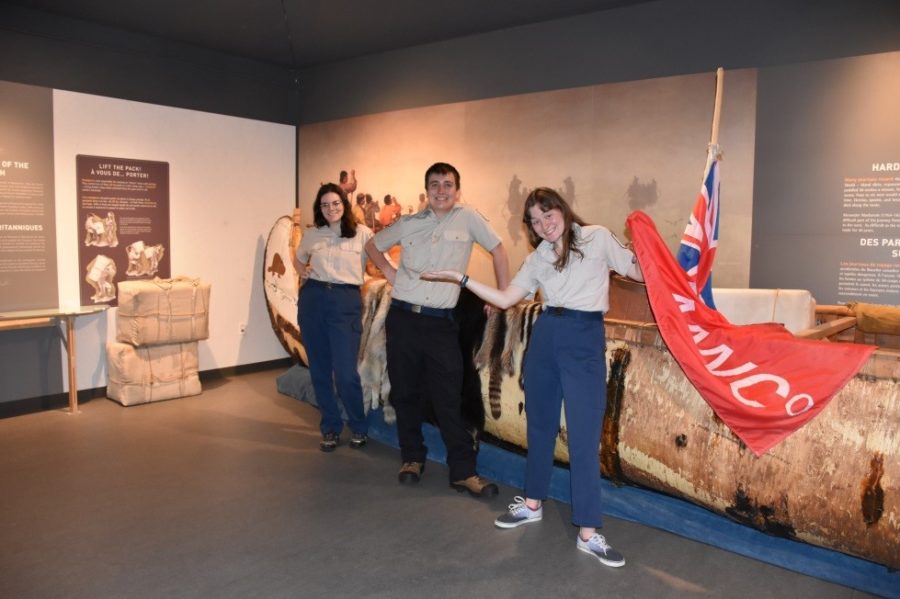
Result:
x=717 y=111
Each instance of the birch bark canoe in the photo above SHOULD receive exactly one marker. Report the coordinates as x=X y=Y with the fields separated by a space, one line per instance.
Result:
x=835 y=483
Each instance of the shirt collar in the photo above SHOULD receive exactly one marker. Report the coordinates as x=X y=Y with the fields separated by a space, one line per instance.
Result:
x=429 y=213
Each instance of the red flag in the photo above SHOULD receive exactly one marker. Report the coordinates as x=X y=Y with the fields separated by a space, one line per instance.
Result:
x=763 y=382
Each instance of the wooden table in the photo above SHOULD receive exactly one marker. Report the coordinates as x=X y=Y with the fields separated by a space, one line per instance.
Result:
x=27 y=319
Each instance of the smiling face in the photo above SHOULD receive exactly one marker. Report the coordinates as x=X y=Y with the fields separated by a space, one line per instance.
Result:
x=442 y=192
x=332 y=207
x=548 y=225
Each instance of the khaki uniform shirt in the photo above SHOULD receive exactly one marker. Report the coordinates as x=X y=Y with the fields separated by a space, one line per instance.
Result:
x=429 y=243
x=335 y=259
x=584 y=282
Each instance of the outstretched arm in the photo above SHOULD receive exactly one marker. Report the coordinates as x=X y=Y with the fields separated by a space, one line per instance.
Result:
x=500 y=298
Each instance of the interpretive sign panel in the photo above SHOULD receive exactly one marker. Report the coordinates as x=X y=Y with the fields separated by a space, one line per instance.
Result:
x=27 y=212
x=123 y=224
x=826 y=208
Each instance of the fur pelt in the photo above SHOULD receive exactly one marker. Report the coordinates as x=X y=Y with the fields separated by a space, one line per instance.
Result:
x=506 y=332
x=471 y=318
x=372 y=360
x=497 y=342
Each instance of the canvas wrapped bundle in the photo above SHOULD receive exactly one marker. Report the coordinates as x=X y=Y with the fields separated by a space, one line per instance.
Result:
x=161 y=311
x=145 y=374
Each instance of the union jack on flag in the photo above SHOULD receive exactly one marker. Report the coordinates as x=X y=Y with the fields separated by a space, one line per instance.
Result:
x=701 y=235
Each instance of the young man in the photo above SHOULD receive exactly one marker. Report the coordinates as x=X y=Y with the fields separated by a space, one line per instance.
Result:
x=424 y=359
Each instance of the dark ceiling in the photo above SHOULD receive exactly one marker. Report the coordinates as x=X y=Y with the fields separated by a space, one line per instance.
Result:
x=304 y=33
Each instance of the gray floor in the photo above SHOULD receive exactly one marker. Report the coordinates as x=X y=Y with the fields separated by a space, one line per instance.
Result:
x=227 y=495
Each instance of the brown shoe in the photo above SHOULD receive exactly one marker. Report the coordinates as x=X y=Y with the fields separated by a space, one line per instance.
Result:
x=476 y=486
x=411 y=472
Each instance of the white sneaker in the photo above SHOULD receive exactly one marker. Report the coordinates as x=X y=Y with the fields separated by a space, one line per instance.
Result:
x=518 y=514
x=599 y=548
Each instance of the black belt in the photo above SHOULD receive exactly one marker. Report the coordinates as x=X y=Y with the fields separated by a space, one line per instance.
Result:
x=580 y=314
x=417 y=309
x=329 y=285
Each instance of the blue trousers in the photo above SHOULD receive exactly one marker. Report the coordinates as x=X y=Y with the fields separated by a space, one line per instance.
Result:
x=331 y=324
x=566 y=359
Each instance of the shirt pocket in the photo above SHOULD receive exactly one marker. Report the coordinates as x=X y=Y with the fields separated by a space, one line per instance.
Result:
x=318 y=248
x=595 y=266
x=457 y=236
x=414 y=254
x=348 y=246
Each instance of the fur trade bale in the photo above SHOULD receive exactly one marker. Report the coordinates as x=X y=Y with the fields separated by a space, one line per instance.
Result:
x=152 y=373
x=163 y=311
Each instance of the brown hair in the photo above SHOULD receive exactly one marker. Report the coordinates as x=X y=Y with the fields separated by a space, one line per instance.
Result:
x=547 y=199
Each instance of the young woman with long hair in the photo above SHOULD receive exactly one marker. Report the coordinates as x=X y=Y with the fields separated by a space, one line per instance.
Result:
x=566 y=356
x=332 y=260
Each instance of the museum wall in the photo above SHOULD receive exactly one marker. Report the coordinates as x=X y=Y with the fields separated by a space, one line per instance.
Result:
x=230 y=178
x=655 y=40
x=433 y=96
x=648 y=40
x=609 y=149
x=54 y=51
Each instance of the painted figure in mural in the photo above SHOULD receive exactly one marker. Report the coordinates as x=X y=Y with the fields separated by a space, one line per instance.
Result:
x=372 y=208
x=390 y=212
x=330 y=261
x=514 y=199
x=566 y=357
x=424 y=360
x=359 y=213
x=348 y=182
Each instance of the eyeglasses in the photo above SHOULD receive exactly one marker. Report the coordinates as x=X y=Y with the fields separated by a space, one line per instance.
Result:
x=332 y=205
